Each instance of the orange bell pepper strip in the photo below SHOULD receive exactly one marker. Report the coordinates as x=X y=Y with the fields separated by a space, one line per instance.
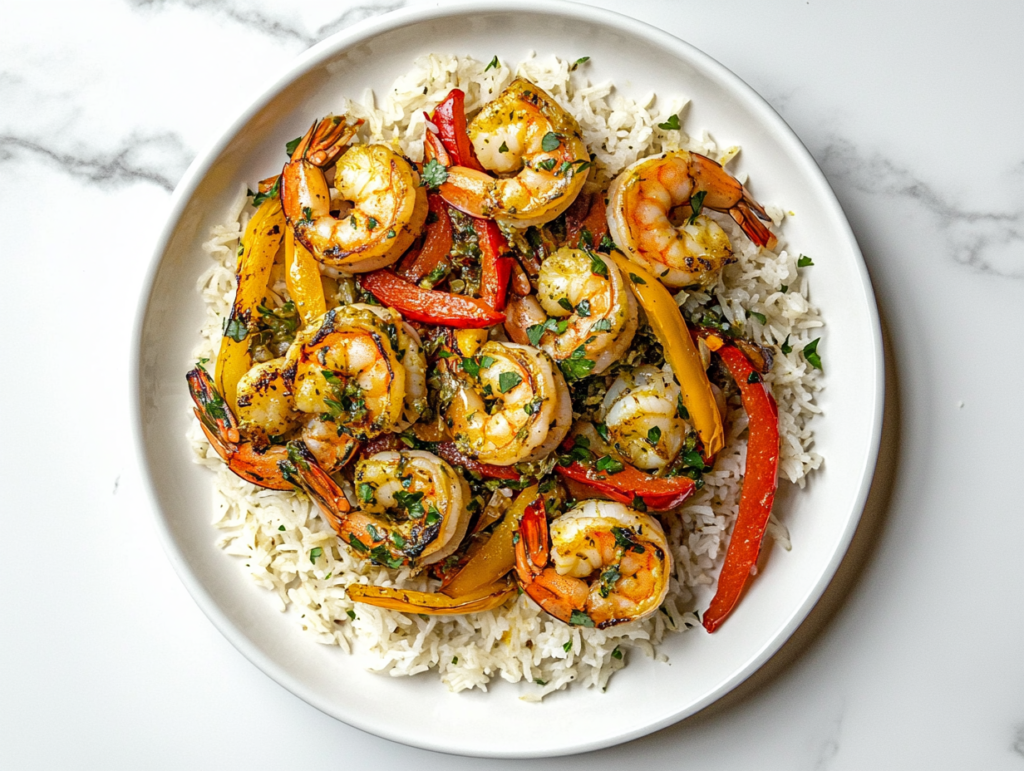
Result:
x=302 y=277
x=432 y=603
x=497 y=557
x=760 y=480
x=429 y=305
x=669 y=327
x=260 y=242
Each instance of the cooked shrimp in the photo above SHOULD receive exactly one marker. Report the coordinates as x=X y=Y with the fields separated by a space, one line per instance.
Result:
x=411 y=505
x=537 y=149
x=511 y=404
x=388 y=206
x=599 y=564
x=256 y=462
x=588 y=304
x=642 y=415
x=642 y=199
x=348 y=366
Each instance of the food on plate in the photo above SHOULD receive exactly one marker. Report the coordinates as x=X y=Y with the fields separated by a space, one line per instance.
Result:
x=500 y=363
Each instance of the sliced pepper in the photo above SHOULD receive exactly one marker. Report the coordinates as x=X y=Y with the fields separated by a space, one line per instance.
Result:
x=429 y=305
x=495 y=264
x=302 y=276
x=260 y=242
x=432 y=603
x=657 y=493
x=760 y=480
x=496 y=557
x=450 y=118
x=451 y=453
x=669 y=327
x=436 y=245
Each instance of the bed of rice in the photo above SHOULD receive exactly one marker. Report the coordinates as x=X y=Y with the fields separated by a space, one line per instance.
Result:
x=275 y=533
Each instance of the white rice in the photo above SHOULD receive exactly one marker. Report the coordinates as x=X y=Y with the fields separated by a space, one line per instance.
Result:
x=273 y=533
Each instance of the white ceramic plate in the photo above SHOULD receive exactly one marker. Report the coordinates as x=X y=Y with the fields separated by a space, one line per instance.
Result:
x=420 y=711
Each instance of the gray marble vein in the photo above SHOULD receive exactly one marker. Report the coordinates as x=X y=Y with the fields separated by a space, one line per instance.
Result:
x=1018 y=741
x=159 y=158
x=989 y=242
x=284 y=28
x=830 y=746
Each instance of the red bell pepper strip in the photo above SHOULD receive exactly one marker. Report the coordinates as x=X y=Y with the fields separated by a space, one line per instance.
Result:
x=760 y=480
x=451 y=453
x=657 y=493
x=428 y=305
x=450 y=118
x=495 y=264
x=436 y=245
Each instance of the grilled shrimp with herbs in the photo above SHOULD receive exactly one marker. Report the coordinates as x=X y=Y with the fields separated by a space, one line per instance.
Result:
x=535 y=152
x=654 y=215
x=511 y=404
x=599 y=564
x=583 y=310
x=384 y=205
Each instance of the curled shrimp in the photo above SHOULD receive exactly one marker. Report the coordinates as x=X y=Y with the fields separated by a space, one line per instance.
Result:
x=348 y=365
x=582 y=301
x=598 y=564
x=640 y=419
x=534 y=146
x=511 y=404
x=248 y=451
x=410 y=505
x=388 y=206
x=641 y=201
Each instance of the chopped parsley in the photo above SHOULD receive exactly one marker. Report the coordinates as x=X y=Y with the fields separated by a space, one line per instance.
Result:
x=804 y=261
x=493 y=65
x=564 y=302
x=411 y=502
x=811 y=353
x=597 y=265
x=259 y=198
x=617 y=653
x=602 y=325
x=752 y=378
x=672 y=124
x=503 y=148
x=577 y=367
x=578 y=62
x=579 y=618
x=365 y=492
x=352 y=615
x=786 y=347
x=697 y=203
x=550 y=142
x=609 y=465
x=654 y=435
x=636 y=279
x=609 y=577
x=434 y=174
x=290 y=146
x=508 y=380
x=759 y=316
x=315 y=553
x=547 y=164
x=583 y=308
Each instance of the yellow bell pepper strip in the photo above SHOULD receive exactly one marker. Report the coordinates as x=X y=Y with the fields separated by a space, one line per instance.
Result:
x=432 y=603
x=760 y=480
x=496 y=557
x=302 y=276
x=260 y=243
x=669 y=327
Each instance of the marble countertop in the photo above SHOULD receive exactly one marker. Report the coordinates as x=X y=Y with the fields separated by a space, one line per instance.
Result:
x=913 y=658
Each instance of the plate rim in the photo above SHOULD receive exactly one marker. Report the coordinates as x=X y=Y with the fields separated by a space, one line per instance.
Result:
x=352 y=36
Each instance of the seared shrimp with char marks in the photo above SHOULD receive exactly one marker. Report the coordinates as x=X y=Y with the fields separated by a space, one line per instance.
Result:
x=388 y=205
x=534 y=146
x=645 y=196
x=511 y=404
x=598 y=564
x=348 y=366
x=583 y=302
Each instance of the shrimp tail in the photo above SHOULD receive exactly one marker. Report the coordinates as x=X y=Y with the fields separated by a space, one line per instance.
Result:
x=744 y=213
x=218 y=422
x=325 y=140
x=302 y=470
